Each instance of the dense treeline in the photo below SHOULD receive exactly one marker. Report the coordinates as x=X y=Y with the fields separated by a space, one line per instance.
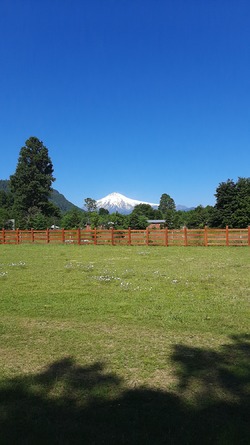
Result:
x=29 y=200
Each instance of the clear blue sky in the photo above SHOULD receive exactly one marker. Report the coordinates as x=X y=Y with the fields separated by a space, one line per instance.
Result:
x=142 y=97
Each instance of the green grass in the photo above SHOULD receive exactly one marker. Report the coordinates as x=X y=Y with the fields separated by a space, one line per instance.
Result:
x=130 y=345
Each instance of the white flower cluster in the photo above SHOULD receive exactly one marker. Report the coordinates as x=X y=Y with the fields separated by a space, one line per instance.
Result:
x=88 y=267
x=73 y=265
x=20 y=263
x=3 y=274
x=124 y=285
x=109 y=278
x=106 y=278
x=141 y=288
x=79 y=265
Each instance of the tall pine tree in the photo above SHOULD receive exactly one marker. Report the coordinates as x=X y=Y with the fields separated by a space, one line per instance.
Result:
x=168 y=209
x=31 y=182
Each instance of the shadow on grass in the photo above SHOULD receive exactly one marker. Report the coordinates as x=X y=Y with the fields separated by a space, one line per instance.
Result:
x=71 y=404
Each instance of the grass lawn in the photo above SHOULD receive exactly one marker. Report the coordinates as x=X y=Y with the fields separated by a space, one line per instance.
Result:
x=124 y=345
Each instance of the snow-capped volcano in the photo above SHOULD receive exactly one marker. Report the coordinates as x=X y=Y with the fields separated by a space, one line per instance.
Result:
x=115 y=202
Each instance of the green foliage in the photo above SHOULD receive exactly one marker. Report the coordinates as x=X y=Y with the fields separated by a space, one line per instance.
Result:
x=39 y=221
x=50 y=209
x=118 y=221
x=168 y=210
x=166 y=204
x=103 y=211
x=156 y=214
x=94 y=219
x=4 y=219
x=138 y=221
x=169 y=217
x=73 y=219
x=6 y=199
x=90 y=204
x=232 y=206
x=5 y=185
x=6 y=204
x=199 y=217
x=143 y=209
x=31 y=182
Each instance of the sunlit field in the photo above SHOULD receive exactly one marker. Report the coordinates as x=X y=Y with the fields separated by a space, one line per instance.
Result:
x=124 y=345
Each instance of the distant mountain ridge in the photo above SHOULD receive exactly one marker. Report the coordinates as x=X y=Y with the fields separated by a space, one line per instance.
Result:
x=57 y=198
x=60 y=201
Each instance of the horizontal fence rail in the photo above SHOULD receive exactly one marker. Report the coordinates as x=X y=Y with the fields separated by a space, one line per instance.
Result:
x=149 y=237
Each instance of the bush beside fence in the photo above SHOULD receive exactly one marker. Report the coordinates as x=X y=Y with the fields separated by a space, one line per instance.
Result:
x=148 y=237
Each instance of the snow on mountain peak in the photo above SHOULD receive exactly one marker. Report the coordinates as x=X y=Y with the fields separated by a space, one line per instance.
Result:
x=116 y=202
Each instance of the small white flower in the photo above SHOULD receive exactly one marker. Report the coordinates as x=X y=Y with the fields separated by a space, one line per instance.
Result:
x=3 y=274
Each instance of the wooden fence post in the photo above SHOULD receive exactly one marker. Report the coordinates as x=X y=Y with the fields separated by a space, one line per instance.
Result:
x=47 y=236
x=63 y=236
x=227 y=236
x=249 y=235
x=129 y=236
x=166 y=237
x=95 y=236
x=17 y=236
x=112 y=236
x=185 y=236
x=205 y=237
x=32 y=236
x=3 y=235
x=147 y=236
x=78 y=236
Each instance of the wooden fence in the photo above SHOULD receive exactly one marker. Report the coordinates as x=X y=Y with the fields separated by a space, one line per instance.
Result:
x=148 y=237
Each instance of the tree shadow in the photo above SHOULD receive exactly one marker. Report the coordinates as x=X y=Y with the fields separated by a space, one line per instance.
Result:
x=72 y=404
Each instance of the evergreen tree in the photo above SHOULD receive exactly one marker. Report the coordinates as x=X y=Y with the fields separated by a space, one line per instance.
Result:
x=5 y=219
x=6 y=200
x=31 y=182
x=166 y=203
x=167 y=209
